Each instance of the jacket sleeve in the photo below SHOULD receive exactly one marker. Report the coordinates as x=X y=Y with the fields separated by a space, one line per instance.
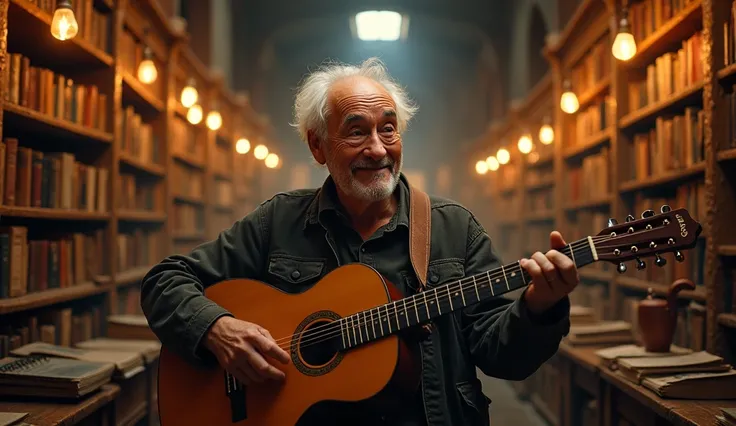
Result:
x=504 y=338
x=172 y=293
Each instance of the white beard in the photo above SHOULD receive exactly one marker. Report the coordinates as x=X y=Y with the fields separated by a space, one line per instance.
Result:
x=377 y=190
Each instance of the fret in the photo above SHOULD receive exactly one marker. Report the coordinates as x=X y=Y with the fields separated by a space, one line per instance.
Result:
x=449 y=295
x=380 y=324
x=475 y=284
x=505 y=279
x=490 y=283
x=416 y=311
x=360 y=328
x=351 y=326
x=396 y=316
x=388 y=320
x=373 y=324
x=522 y=271
x=436 y=298
x=406 y=314
x=426 y=304
x=462 y=292
x=342 y=332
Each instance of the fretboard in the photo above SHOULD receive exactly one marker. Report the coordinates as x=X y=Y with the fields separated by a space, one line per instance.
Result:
x=367 y=326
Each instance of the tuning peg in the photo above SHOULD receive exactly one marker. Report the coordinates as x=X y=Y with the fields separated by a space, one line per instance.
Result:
x=665 y=208
x=621 y=268
x=630 y=218
x=640 y=264
x=647 y=213
x=679 y=256
x=612 y=221
x=660 y=261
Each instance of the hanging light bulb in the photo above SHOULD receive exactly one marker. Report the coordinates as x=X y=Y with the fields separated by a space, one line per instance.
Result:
x=194 y=114
x=481 y=167
x=624 y=45
x=64 y=25
x=568 y=101
x=503 y=156
x=492 y=163
x=272 y=160
x=260 y=152
x=242 y=146
x=546 y=132
x=147 y=72
x=525 y=144
x=189 y=94
x=214 y=120
x=533 y=157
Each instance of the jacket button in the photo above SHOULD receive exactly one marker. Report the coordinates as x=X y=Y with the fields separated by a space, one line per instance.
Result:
x=434 y=278
x=295 y=274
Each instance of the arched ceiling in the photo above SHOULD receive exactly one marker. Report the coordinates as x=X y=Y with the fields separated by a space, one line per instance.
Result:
x=265 y=28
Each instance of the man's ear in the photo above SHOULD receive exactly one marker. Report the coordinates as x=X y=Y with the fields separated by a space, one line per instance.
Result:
x=315 y=145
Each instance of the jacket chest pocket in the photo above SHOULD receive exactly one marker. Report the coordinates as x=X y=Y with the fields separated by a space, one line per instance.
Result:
x=439 y=272
x=294 y=274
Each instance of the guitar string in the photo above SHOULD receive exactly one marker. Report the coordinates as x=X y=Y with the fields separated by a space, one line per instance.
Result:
x=392 y=311
x=496 y=275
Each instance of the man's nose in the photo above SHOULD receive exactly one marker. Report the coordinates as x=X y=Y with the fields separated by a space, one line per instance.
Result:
x=374 y=147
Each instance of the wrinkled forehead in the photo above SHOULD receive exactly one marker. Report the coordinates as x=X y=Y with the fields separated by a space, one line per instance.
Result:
x=357 y=96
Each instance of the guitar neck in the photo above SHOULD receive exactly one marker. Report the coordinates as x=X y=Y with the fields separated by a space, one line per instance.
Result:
x=367 y=326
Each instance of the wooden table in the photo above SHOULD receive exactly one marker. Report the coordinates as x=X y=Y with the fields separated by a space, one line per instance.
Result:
x=96 y=409
x=584 y=376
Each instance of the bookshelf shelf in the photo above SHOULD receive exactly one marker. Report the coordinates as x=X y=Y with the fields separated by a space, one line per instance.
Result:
x=189 y=199
x=595 y=92
x=140 y=96
x=19 y=117
x=672 y=179
x=190 y=160
x=603 y=202
x=669 y=35
x=588 y=145
x=646 y=116
x=49 y=297
x=132 y=275
x=53 y=214
x=727 y=250
x=26 y=21
x=541 y=216
x=141 y=216
x=130 y=164
x=727 y=320
x=540 y=185
x=726 y=155
x=543 y=161
x=595 y=274
x=660 y=289
x=188 y=236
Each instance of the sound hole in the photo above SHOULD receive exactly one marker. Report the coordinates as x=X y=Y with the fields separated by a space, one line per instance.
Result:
x=318 y=342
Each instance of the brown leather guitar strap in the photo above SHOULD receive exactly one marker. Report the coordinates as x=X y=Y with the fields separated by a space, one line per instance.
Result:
x=419 y=233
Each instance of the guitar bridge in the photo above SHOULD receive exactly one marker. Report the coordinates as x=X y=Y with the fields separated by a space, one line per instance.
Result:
x=235 y=391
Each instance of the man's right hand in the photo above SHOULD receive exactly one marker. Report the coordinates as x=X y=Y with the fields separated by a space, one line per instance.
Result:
x=240 y=347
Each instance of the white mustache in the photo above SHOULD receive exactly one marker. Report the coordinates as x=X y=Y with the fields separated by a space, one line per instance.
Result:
x=363 y=164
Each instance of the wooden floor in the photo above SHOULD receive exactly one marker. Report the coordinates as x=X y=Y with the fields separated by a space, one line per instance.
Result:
x=506 y=409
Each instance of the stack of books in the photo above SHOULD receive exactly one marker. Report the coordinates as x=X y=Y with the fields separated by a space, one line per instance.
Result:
x=600 y=333
x=727 y=417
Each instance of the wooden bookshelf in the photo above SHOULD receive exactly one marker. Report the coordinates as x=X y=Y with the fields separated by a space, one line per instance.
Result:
x=623 y=139
x=106 y=204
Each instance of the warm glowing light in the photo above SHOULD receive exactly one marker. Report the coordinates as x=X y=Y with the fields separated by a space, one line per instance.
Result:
x=260 y=152
x=189 y=94
x=272 y=160
x=242 y=146
x=64 y=25
x=378 y=25
x=147 y=72
x=194 y=115
x=546 y=134
x=624 y=46
x=525 y=144
x=481 y=167
x=214 y=120
x=533 y=157
x=492 y=163
x=503 y=156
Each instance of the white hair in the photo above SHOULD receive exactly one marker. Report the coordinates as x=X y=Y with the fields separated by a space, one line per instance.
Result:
x=310 y=106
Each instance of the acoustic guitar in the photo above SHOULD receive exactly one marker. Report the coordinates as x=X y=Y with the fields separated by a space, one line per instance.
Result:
x=344 y=334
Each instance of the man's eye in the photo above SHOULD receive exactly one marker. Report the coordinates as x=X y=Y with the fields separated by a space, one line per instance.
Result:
x=356 y=132
x=388 y=128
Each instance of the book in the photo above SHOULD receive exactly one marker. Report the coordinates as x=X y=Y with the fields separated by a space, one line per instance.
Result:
x=696 y=385
x=581 y=315
x=44 y=376
x=148 y=349
x=11 y=419
x=126 y=364
x=129 y=327
x=635 y=369
x=601 y=332
x=609 y=356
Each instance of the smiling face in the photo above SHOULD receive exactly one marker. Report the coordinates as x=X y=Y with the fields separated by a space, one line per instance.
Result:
x=363 y=147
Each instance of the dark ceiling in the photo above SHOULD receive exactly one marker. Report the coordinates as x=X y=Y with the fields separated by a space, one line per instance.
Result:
x=285 y=27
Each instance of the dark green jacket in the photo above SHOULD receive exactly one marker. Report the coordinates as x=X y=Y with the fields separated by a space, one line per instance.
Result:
x=295 y=238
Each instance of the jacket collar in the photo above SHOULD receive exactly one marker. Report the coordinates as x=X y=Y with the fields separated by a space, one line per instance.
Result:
x=326 y=203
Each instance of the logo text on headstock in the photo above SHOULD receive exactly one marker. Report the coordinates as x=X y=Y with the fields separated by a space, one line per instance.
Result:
x=683 y=228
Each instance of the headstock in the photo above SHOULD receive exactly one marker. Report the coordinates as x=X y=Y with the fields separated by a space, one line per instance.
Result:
x=653 y=234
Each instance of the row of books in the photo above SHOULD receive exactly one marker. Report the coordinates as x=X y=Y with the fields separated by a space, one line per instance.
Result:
x=590 y=181
x=33 y=178
x=138 y=139
x=136 y=194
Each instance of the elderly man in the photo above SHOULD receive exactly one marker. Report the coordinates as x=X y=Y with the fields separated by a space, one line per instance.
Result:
x=352 y=119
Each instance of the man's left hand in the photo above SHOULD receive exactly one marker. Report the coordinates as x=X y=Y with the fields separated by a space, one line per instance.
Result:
x=554 y=275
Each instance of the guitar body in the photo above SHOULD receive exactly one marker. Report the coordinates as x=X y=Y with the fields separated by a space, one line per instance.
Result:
x=316 y=376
